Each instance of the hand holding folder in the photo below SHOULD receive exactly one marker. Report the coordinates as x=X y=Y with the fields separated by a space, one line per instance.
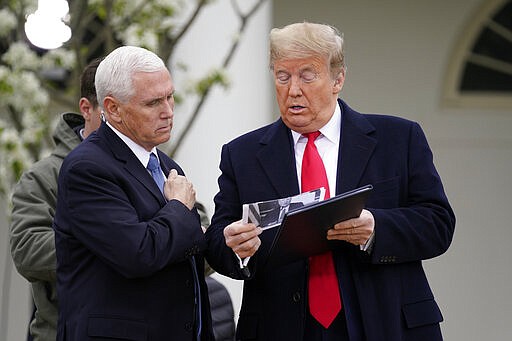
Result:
x=303 y=231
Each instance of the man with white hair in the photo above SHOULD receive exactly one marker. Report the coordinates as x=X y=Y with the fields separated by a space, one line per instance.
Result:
x=128 y=237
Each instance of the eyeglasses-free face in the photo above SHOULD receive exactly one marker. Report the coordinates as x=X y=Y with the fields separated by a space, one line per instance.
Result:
x=306 y=93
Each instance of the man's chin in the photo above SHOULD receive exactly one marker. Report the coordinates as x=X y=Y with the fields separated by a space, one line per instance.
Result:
x=298 y=124
x=163 y=137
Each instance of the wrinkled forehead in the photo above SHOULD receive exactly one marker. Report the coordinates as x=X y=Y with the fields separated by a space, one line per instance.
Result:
x=147 y=85
x=315 y=63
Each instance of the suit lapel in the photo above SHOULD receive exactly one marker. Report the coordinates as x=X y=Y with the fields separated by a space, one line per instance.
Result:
x=138 y=171
x=277 y=149
x=131 y=163
x=165 y=167
x=356 y=147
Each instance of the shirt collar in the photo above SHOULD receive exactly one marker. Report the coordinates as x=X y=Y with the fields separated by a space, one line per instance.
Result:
x=141 y=153
x=331 y=130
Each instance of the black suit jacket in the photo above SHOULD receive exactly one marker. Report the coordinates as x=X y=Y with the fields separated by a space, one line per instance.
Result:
x=123 y=253
x=385 y=295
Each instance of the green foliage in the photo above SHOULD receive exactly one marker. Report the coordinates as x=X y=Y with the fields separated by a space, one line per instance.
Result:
x=215 y=77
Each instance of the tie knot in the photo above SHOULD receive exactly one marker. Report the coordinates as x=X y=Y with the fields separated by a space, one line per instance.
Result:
x=312 y=136
x=153 y=162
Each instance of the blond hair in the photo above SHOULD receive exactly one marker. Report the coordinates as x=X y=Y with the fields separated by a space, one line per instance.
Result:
x=304 y=40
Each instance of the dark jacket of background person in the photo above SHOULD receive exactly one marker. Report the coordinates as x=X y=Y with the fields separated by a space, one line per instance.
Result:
x=385 y=293
x=31 y=236
x=223 y=315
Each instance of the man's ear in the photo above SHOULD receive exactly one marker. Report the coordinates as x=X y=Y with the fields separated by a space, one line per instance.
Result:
x=338 y=82
x=111 y=109
x=86 y=108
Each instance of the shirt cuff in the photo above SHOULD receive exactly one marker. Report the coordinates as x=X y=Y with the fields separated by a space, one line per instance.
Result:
x=369 y=243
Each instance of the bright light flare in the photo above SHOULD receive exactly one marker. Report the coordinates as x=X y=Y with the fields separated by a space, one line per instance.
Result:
x=45 y=28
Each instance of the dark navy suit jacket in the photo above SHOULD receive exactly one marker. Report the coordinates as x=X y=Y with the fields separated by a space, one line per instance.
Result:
x=123 y=253
x=385 y=294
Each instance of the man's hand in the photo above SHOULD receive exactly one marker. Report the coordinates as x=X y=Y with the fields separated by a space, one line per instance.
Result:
x=355 y=231
x=178 y=187
x=242 y=238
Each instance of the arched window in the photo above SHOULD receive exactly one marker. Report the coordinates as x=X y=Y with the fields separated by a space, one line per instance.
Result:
x=480 y=70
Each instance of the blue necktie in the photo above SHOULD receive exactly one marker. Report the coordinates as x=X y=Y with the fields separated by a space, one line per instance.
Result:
x=156 y=171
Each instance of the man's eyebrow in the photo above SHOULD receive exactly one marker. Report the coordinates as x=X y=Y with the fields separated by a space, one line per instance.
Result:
x=308 y=68
x=147 y=101
x=159 y=98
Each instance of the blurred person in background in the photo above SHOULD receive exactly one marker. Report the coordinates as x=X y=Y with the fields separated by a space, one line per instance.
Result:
x=34 y=201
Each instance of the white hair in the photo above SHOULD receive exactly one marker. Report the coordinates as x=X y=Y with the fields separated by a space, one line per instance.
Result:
x=114 y=74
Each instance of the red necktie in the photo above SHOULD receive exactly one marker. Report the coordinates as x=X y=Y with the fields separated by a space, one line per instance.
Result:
x=323 y=289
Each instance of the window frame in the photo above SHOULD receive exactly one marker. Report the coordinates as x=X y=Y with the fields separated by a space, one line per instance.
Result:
x=462 y=53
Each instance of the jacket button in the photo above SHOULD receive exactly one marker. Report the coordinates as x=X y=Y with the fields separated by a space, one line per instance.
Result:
x=188 y=326
x=296 y=297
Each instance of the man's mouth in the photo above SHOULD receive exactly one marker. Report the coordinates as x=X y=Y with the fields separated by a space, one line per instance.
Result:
x=164 y=128
x=296 y=108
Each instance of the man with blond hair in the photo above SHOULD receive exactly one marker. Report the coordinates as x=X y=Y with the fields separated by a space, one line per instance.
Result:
x=370 y=285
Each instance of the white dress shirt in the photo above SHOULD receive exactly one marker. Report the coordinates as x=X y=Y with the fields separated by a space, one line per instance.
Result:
x=141 y=153
x=327 y=144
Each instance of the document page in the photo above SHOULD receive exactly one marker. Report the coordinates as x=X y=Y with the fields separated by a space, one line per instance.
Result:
x=270 y=213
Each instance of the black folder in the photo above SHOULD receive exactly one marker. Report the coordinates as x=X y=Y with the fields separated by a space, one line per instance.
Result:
x=303 y=232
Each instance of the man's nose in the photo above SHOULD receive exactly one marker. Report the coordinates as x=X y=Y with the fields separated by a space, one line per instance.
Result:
x=295 y=89
x=168 y=109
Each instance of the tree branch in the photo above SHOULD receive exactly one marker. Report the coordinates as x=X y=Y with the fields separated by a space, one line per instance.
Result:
x=191 y=19
x=227 y=60
x=169 y=42
x=60 y=97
